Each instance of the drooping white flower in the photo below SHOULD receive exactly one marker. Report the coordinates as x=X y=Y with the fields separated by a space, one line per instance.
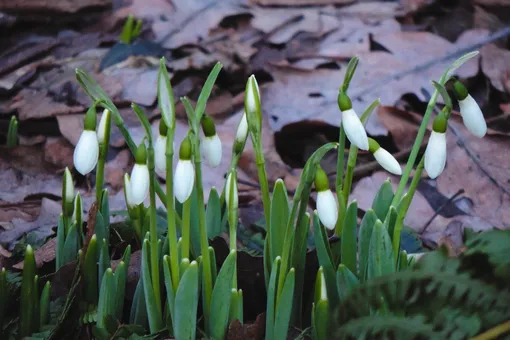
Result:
x=86 y=151
x=470 y=111
x=231 y=188
x=435 y=155
x=384 y=158
x=184 y=177
x=212 y=150
x=140 y=179
x=354 y=129
x=211 y=144
x=327 y=208
x=473 y=116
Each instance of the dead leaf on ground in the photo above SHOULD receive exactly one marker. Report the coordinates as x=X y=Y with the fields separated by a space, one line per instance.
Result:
x=42 y=226
x=24 y=51
x=59 y=151
x=300 y=2
x=495 y=62
x=402 y=125
x=116 y=168
x=57 y=6
x=43 y=255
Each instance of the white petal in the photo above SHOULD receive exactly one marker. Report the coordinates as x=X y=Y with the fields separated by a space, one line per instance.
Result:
x=69 y=194
x=242 y=129
x=160 y=156
x=211 y=147
x=387 y=161
x=127 y=191
x=250 y=101
x=101 y=129
x=86 y=152
x=227 y=194
x=139 y=183
x=354 y=129
x=435 y=155
x=473 y=116
x=327 y=208
x=184 y=180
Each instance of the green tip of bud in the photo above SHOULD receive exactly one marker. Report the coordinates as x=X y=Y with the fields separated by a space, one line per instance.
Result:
x=208 y=126
x=373 y=145
x=344 y=102
x=163 y=128
x=91 y=119
x=185 y=149
x=141 y=154
x=440 y=123
x=321 y=180
x=460 y=90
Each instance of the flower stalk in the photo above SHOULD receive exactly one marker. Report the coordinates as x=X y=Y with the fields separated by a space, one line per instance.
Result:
x=103 y=137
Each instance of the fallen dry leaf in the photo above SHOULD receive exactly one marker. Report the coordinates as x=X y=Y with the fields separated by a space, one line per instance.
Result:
x=34 y=104
x=59 y=151
x=402 y=125
x=64 y=6
x=43 y=255
x=300 y=2
x=42 y=226
x=116 y=168
x=495 y=62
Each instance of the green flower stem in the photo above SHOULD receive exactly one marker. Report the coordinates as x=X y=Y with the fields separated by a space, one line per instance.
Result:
x=264 y=187
x=186 y=224
x=138 y=229
x=170 y=211
x=153 y=229
x=341 y=157
x=204 y=240
x=406 y=203
x=100 y=172
x=232 y=221
x=351 y=164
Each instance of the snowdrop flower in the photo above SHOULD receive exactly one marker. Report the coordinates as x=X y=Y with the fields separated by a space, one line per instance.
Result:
x=241 y=136
x=353 y=127
x=384 y=158
x=86 y=152
x=326 y=203
x=470 y=111
x=67 y=193
x=103 y=130
x=231 y=188
x=211 y=145
x=184 y=177
x=160 y=150
x=435 y=155
x=252 y=105
x=140 y=176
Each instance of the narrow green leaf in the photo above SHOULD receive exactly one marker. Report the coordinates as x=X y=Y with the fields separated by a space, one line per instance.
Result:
x=271 y=298
x=403 y=261
x=348 y=251
x=59 y=251
x=459 y=62
x=236 y=306
x=213 y=214
x=320 y=318
x=36 y=306
x=267 y=260
x=166 y=100
x=91 y=271
x=345 y=281
x=220 y=300
x=100 y=231
x=325 y=261
x=27 y=292
x=106 y=298
x=12 y=132
x=382 y=200
x=390 y=220
x=127 y=30
x=381 y=260
x=214 y=269
x=120 y=282
x=170 y=293
x=71 y=245
x=206 y=91
x=349 y=73
x=186 y=299
x=105 y=212
x=284 y=307
x=442 y=91
x=142 y=117
x=365 y=234
x=104 y=262
x=44 y=304
x=279 y=218
x=153 y=313
x=4 y=294
x=138 y=314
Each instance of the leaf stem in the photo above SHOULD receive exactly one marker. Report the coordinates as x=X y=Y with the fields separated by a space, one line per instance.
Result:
x=170 y=211
x=154 y=253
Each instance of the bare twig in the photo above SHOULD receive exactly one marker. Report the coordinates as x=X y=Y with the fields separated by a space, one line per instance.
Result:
x=438 y=210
